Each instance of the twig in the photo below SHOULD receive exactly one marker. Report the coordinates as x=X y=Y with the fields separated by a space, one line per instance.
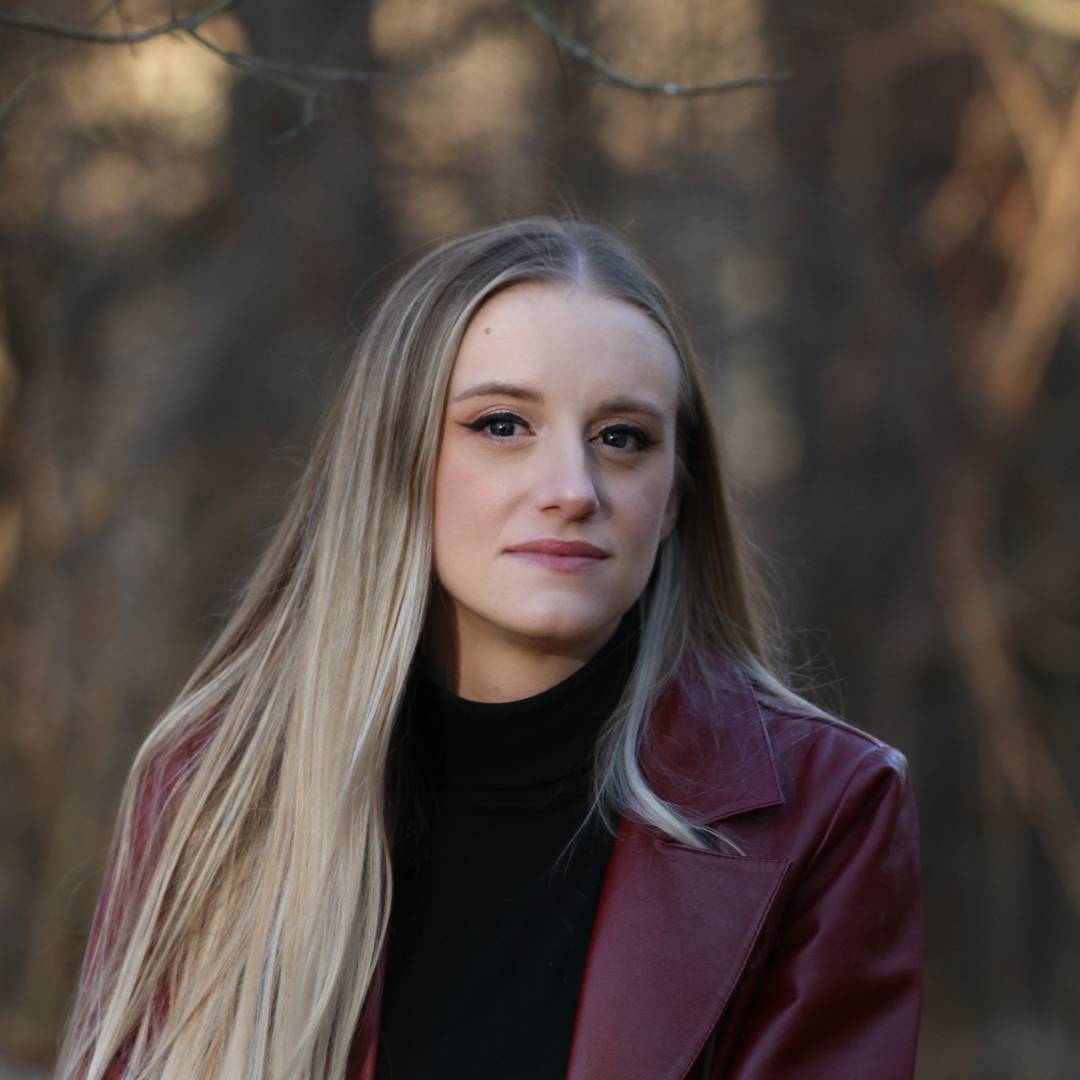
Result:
x=287 y=76
x=43 y=62
x=101 y=37
x=259 y=66
x=580 y=51
x=125 y=22
x=296 y=78
x=251 y=65
x=308 y=117
x=269 y=72
x=277 y=74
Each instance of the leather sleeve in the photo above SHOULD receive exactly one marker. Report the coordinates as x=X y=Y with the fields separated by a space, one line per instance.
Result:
x=840 y=992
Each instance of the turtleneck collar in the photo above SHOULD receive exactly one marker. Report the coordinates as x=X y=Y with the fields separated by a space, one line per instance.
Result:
x=525 y=755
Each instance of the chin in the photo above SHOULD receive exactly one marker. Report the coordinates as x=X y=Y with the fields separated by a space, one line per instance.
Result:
x=563 y=622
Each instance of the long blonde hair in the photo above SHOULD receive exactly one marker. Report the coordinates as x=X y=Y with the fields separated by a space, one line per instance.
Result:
x=244 y=914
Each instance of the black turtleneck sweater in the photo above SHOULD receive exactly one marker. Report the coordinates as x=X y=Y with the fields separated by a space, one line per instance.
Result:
x=497 y=869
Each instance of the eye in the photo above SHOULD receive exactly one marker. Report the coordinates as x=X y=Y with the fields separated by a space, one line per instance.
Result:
x=499 y=425
x=624 y=437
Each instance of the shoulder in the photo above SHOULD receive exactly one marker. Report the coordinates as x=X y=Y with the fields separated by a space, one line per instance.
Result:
x=810 y=747
x=845 y=794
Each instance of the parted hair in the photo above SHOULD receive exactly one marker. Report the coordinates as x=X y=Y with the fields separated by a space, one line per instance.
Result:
x=249 y=883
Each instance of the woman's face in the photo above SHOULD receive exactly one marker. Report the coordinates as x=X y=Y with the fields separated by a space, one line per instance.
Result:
x=556 y=474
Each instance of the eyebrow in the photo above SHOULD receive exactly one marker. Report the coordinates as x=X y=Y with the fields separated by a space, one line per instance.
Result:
x=523 y=393
x=613 y=405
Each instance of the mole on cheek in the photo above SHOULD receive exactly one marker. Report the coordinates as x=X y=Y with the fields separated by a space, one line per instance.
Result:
x=487 y=329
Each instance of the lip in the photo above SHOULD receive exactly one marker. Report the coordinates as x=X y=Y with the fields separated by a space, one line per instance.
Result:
x=555 y=554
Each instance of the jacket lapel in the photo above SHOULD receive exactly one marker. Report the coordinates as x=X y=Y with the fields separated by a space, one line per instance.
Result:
x=674 y=930
x=676 y=926
x=707 y=750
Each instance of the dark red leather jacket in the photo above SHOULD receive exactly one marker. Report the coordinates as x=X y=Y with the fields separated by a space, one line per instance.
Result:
x=800 y=958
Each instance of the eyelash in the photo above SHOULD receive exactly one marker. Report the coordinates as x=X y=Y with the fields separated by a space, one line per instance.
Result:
x=482 y=422
x=642 y=437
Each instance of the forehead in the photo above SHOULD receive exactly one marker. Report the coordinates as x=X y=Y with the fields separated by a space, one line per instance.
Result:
x=556 y=337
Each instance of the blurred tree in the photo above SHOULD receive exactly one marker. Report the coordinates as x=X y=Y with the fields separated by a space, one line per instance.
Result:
x=880 y=261
x=175 y=296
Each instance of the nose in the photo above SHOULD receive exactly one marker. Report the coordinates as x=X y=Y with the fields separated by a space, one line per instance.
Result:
x=568 y=484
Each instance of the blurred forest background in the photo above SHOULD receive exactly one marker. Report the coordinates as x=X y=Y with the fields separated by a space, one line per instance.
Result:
x=880 y=258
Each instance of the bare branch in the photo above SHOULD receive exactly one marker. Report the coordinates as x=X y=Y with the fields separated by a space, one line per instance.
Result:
x=297 y=78
x=290 y=77
x=261 y=67
x=43 y=62
x=252 y=65
x=276 y=74
x=101 y=37
x=580 y=51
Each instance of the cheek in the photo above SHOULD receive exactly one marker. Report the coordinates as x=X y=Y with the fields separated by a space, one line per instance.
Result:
x=641 y=506
x=470 y=509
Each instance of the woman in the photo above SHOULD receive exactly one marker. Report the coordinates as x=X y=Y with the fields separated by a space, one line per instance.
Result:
x=491 y=774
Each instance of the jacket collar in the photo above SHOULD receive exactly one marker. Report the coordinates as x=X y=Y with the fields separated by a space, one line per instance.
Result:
x=707 y=750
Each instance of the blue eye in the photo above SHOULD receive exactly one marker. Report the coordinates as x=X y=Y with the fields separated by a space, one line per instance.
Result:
x=623 y=437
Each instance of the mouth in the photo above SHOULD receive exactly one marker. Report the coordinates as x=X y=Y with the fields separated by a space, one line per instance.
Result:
x=565 y=555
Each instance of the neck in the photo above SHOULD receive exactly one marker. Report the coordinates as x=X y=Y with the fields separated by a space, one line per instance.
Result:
x=478 y=664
